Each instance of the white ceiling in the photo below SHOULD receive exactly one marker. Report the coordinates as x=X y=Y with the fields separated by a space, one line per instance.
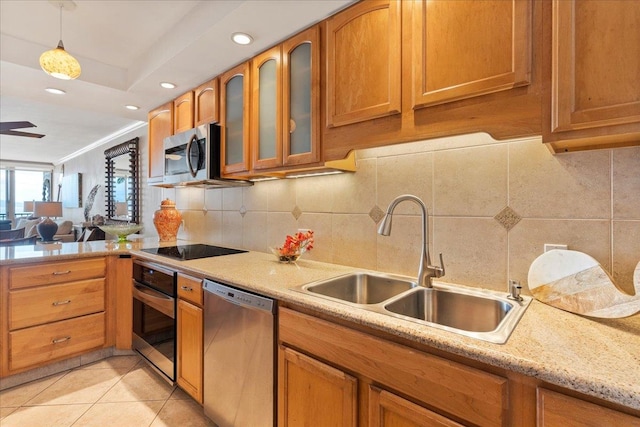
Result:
x=125 y=49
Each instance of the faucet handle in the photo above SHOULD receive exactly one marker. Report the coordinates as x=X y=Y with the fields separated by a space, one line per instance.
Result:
x=439 y=270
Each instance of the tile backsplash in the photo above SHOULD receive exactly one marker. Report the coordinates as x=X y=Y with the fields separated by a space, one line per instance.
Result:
x=492 y=206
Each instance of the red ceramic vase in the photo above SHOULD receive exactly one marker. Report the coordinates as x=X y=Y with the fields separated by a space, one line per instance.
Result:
x=167 y=220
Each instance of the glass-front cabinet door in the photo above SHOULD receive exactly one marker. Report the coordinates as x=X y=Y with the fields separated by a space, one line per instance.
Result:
x=285 y=115
x=301 y=98
x=266 y=119
x=234 y=120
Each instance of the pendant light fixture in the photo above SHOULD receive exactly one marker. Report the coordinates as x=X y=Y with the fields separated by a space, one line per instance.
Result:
x=57 y=62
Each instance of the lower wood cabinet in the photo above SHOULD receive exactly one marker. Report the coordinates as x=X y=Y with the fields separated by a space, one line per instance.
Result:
x=388 y=410
x=52 y=311
x=557 y=409
x=347 y=360
x=332 y=374
x=190 y=330
x=312 y=393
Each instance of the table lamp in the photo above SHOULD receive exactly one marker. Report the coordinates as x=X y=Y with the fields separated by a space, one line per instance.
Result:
x=28 y=206
x=47 y=228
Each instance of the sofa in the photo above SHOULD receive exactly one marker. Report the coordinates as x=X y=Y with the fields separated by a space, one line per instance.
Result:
x=64 y=233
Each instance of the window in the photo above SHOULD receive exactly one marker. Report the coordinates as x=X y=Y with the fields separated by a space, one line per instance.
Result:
x=18 y=186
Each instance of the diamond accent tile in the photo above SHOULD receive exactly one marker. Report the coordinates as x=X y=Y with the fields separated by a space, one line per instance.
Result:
x=376 y=214
x=296 y=212
x=508 y=218
x=243 y=210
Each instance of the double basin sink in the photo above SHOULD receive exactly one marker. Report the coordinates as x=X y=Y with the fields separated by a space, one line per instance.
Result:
x=482 y=314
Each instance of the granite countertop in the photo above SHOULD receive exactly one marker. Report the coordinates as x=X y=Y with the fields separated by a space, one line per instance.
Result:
x=597 y=358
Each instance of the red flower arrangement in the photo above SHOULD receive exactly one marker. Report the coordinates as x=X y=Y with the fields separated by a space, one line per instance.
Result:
x=294 y=246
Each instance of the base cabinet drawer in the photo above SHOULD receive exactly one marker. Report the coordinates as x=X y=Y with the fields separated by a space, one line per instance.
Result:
x=56 y=340
x=56 y=272
x=35 y=306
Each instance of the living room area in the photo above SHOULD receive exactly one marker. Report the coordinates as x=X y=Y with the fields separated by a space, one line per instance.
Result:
x=28 y=213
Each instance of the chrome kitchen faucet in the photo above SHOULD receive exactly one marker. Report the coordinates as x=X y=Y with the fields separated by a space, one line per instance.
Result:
x=426 y=271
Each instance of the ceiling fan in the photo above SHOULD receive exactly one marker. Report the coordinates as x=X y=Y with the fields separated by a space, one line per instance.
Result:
x=8 y=128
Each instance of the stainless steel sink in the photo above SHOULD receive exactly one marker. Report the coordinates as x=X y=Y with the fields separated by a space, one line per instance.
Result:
x=361 y=288
x=483 y=314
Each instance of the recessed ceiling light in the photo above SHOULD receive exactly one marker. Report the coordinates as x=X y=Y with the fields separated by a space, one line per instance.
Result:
x=55 y=91
x=131 y=107
x=167 y=85
x=241 y=38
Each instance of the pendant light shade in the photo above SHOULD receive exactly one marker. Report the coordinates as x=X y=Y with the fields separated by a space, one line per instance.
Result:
x=58 y=62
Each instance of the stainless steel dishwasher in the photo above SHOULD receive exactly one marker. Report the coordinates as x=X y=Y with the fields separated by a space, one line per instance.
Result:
x=239 y=357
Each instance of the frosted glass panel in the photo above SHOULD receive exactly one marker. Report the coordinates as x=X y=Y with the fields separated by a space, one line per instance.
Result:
x=268 y=106
x=300 y=101
x=234 y=109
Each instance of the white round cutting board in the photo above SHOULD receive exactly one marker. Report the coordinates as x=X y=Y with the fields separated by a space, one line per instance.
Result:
x=575 y=282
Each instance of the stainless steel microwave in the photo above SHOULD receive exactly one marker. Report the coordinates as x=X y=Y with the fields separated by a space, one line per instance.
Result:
x=193 y=157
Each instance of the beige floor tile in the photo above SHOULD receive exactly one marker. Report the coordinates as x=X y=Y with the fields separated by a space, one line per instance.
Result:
x=179 y=394
x=140 y=384
x=79 y=386
x=121 y=414
x=6 y=411
x=21 y=394
x=114 y=362
x=183 y=413
x=50 y=416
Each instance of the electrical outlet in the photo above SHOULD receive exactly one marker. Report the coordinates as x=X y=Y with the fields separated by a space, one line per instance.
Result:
x=551 y=246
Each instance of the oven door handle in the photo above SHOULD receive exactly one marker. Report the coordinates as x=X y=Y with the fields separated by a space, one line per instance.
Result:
x=157 y=300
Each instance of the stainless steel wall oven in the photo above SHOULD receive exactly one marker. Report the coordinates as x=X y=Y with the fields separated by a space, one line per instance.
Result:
x=154 y=316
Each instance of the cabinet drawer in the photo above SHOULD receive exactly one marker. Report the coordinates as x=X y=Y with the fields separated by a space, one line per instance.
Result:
x=34 y=306
x=56 y=272
x=46 y=343
x=190 y=289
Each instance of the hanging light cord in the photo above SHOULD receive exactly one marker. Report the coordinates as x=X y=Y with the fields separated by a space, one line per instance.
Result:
x=60 y=21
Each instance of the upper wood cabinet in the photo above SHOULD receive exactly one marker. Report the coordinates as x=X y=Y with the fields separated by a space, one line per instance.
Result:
x=285 y=120
x=462 y=49
x=301 y=98
x=593 y=66
x=363 y=59
x=235 y=105
x=160 y=122
x=206 y=103
x=183 y=113
x=266 y=114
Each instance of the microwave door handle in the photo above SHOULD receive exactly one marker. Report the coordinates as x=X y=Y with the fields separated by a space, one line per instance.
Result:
x=193 y=170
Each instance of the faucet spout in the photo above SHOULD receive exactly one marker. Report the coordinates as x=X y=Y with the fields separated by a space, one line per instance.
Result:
x=426 y=271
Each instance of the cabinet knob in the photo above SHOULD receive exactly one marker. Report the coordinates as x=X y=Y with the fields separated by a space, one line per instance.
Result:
x=59 y=340
x=292 y=126
x=61 y=302
x=186 y=288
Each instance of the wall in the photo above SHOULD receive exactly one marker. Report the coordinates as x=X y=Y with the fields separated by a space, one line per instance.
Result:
x=587 y=200
x=92 y=165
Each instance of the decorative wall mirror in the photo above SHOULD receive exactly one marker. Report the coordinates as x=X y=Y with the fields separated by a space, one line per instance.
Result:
x=122 y=195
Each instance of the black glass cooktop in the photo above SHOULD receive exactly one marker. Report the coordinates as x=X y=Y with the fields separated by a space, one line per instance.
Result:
x=187 y=252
